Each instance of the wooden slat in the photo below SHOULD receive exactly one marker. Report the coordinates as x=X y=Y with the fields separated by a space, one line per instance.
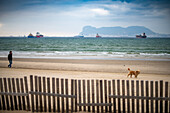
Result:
x=53 y=90
x=105 y=94
x=66 y=92
x=132 y=94
x=118 y=92
x=161 y=95
x=26 y=90
x=18 y=90
x=36 y=90
x=79 y=84
x=58 y=98
x=88 y=94
x=76 y=96
x=93 y=97
x=151 y=94
x=147 y=94
x=156 y=95
x=114 y=93
x=45 y=98
x=62 y=92
x=14 y=91
x=7 y=100
x=84 y=94
x=22 y=90
x=3 y=97
x=101 y=94
x=0 y=98
x=166 y=95
x=72 y=90
x=49 y=97
x=109 y=90
x=10 y=91
x=137 y=94
x=128 y=100
x=32 y=96
x=123 y=93
x=40 y=96
x=97 y=93
x=142 y=94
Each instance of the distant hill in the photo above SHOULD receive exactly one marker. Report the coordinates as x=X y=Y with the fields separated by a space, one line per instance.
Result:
x=130 y=31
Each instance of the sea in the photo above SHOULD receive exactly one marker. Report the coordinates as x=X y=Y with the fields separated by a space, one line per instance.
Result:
x=87 y=48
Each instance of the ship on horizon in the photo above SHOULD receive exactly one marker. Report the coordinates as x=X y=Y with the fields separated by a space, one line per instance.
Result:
x=38 y=35
x=98 y=36
x=141 y=36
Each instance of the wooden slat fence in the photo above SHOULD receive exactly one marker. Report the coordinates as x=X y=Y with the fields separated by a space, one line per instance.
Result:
x=45 y=94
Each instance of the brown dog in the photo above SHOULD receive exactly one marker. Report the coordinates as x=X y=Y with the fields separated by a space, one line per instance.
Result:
x=135 y=73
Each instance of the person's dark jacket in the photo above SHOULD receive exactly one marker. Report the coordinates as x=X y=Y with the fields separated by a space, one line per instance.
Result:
x=10 y=57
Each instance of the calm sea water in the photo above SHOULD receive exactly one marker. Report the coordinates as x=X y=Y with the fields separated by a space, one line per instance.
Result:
x=97 y=48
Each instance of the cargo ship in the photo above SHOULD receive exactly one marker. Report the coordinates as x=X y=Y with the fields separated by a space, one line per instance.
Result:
x=141 y=36
x=98 y=36
x=38 y=35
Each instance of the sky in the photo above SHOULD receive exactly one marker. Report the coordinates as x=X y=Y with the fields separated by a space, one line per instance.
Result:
x=68 y=17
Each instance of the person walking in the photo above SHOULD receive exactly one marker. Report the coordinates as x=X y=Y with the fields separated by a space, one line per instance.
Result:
x=10 y=59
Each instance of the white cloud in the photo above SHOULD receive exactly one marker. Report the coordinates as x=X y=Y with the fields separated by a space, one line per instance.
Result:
x=100 y=11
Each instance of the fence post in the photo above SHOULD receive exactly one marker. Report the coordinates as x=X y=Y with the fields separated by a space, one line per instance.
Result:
x=97 y=93
x=40 y=96
x=93 y=97
x=49 y=97
x=161 y=95
x=22 y=90
x=53 y=90
x=36 y=90
x=128 y=100
x=62 y=92
x=132 y=93
x=5 y=87
x=10 y=90
x=14 y=90
x=3 y=98
x=109 y=86
x=166 y=95
x=32 y=96
x=88 y=94
x=79 y=83
x=58 y=98
x=66 y=91
x=105 y=90
x=18 y=91
x=151 y=91
x=123 y=93
x=76 y=95
x=84 y=94
x=27 y=97
x=44 y=90
x=118 y=93
x=137 y=94
x=72 y=90
x=142 y=94
x=156 y=95
x=147 y=95
x=114 y=92
x=101 y=94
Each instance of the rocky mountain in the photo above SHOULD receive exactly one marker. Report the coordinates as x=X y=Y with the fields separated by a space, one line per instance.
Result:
x=130 y=31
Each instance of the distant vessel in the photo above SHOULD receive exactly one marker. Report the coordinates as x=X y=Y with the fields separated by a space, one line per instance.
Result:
x=38 y=35
x=79 y=36
x=141 y=36
x=31 y=36
x=97 y=35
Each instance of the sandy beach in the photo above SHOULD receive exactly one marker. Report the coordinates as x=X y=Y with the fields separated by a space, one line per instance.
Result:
x=85 y=69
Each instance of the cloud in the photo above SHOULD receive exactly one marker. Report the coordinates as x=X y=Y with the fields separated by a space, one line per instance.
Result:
x=100 y=11
x=1 y=25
